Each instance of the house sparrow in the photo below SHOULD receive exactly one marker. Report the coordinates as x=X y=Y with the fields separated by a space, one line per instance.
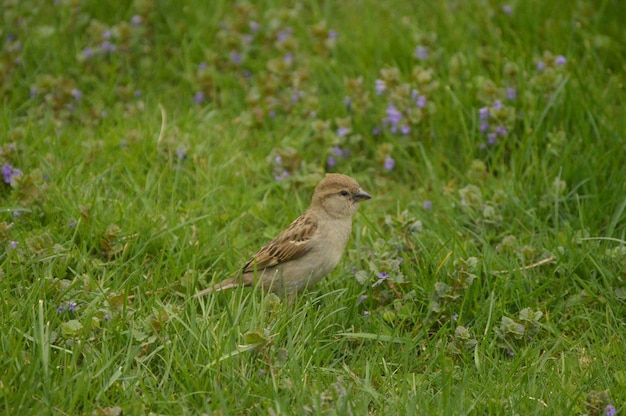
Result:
x=310 y=248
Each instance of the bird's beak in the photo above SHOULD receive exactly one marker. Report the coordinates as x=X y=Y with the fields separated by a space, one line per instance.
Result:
x=361 y=195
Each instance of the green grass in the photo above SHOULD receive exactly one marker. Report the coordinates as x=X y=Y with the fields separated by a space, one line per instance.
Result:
x=506 y=261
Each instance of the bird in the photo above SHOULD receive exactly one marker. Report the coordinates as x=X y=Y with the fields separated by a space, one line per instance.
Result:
x=309 y=248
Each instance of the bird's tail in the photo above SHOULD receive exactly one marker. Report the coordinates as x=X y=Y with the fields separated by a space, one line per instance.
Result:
x=231 y=283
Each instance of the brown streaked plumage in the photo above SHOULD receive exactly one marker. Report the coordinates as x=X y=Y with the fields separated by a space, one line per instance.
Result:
x=310 y=248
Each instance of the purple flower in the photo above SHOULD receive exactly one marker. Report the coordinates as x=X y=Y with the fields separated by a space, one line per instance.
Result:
x=389 y=163
x=106 y=317
x=202 y=66
x=137 y=93
x=507 y=9
x=106 y=34
x=77 y=94
x=502 y=131
x=421 y=101
x=198 y=98
x=484 y=125
x=71 y=306
x=342 y=131
x=376 y=131
x=483 y=113
x=254 y=26
x=72 y=223
x=332 y=34
x=9 y=172
x=405 y=129
x=281 y=175
x=87 y=53
x=511 y=93
x=331 y=162
x=541 y=66
x=393 y=115
x=33 y=91
x=14 y=244
x=60 y=309
x=278 y=160
x=428 y=205
x=135 y=20
x=455 y=316
x=181 y=153
x=380 y=86
x=107 y=47
x=497 y=105
x=361 y=299
x=296 y=95
x=383 y=275
x=421 y=52
x=609 y=410
x=560 y=60
x=284 y=34
x=288 y=58
x=236 y=57
x=366 y=313
x=347 y=101
x=491 y=138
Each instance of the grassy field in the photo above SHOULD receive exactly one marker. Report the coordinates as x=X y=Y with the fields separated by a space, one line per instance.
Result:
x=149 y=148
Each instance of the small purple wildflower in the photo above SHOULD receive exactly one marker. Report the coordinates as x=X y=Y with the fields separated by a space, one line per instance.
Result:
x=107 y=47
x=541 y=66
x=610 y=410
x=341 y=152
x=342 y=131
x=497 y=105
x=376 y=131
x=247 y=39
x=106 y=317
x=137 y=93
x=60 y=309
x=366 y=313
x=421 y=101
x=296 y=95
x=72 y=223
x=77 y=94
x=284 y=34
x=455 y=316
x=272 y=113
x=347 y=102
x=281 y=175
x=33 y=91
x=261 y=373
x=421 y=52
x=71 y=306
x=202 y=66
x=181 y=153
x=483 y=113
x=331 y=162
x=389 y=163
x=106 y=34
x=87 y=53
x=235 y=57
x=198 y=98
x=393 y=115
x=17 y=213
x=511 y=93
x=14 y=244
x=491 y=138
x=254 y=26
x=361 y=299
x=380 y=86
x=507 y=9
x=510 y=352
x=135 y=21
x=9 y=172
x=560 y=60
x=484 y=125
x=405 y=129
x=332 y=34
x=428 y=205
x=278 y=160
x=288 y=58
x=383 y=275
x=502 y=131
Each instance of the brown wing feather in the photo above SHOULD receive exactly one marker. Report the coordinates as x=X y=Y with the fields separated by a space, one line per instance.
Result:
x=291 y=244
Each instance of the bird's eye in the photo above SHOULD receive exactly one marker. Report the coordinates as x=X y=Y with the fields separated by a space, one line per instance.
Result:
x=344 y=193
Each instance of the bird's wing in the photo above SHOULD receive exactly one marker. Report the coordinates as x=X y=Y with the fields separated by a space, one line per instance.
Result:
x=292 y=243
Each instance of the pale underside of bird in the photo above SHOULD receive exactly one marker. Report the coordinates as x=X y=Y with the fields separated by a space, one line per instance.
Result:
x=309 y=248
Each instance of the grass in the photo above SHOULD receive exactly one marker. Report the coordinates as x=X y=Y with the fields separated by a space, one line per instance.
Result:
x=149 y=149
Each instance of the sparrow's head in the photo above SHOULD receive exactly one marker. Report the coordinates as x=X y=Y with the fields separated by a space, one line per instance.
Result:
x=339 y=195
